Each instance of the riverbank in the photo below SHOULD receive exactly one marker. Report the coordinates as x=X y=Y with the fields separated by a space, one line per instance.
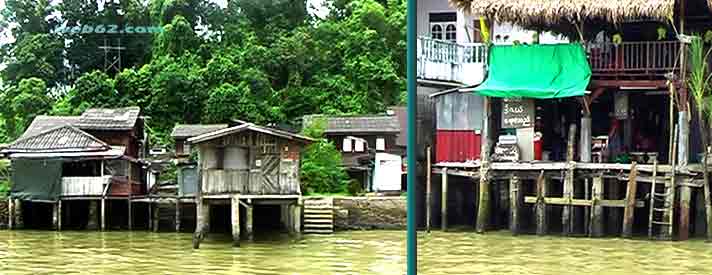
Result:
x=367 y=213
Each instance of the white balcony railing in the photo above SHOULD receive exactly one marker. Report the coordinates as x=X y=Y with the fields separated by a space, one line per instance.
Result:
x=84 y=186
x=448 y=61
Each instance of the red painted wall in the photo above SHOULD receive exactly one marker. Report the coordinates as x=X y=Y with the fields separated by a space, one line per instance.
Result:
x=457 y=145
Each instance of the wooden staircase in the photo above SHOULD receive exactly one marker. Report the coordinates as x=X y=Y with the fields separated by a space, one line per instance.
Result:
x=661 y=206
x=318 y=216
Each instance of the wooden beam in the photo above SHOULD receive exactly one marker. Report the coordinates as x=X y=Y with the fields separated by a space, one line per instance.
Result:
x=455 y=172
x=629 y=210
x=582 y=202
x=235 y=219
x=540 y=208
x=428 y=191
x=596 y=229
x=443 y=200
x=514 y=197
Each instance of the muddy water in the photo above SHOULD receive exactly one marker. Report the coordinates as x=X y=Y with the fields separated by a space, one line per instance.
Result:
x=374 y=252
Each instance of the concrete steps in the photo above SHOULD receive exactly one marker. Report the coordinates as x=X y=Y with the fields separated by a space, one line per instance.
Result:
x=318 y=216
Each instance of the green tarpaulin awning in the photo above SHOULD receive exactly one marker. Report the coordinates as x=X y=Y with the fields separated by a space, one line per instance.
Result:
x=36 y=179
x=536 y=71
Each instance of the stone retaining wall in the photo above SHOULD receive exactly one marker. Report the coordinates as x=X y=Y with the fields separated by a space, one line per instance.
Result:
x=362 y=213
x=4 y=214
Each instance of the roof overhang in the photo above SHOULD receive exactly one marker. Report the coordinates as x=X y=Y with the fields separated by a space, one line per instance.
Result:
x=114 y=152
x=247 y=127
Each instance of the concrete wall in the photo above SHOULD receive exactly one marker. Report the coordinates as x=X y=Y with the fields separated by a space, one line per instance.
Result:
x=361 y=213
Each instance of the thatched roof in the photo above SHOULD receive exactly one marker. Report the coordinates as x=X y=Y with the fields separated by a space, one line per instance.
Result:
x=554 y=12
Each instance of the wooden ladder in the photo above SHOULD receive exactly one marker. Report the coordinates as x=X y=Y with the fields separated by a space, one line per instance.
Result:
x=319 y=216
x=661 y=204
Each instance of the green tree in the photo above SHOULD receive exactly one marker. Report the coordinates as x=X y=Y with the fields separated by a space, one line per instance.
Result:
x=22 y=103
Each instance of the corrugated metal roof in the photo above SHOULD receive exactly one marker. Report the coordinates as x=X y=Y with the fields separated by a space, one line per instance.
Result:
x=194 y=130
x=358 y=124
x=64 y=138
x=109 y=119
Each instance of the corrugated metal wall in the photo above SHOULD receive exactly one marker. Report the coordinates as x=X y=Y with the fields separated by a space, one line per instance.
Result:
x=457 y=145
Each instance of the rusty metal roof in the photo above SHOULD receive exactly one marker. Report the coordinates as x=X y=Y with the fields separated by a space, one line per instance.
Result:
x=362 y=124
x=64 y=138
x=108 y=119
x=194 y=130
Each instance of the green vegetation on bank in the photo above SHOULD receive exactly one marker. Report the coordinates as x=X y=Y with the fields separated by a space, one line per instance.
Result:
x=321 y=171
x=4 y=178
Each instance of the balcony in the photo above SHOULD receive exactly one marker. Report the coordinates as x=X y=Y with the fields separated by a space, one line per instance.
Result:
x=84 y=186
x=647 y=60
x=452 y=62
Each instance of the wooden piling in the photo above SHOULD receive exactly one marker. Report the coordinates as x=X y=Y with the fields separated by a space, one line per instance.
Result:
x=428 y=192
x=156 y=216
x=202 y=219
x=11 y=213
x=483 y=210
x=103 y=214
x=443 y=200
x=540 y=208
x=235 y=219
x=55 y=215
x=249 y=222
x=629 y=210
x=93 y=215
x=19 y=220
x=130 y=209
x=59 y=214
x=596 y=221
x=514 y=203
x=707 y=196
x=684 y=220
x=178 y=215
x=567 y=213
x=297 y=218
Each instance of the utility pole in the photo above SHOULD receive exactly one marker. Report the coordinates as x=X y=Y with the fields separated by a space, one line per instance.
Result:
x=115 y=51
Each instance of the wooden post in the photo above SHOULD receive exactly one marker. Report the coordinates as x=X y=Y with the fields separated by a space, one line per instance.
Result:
x=707 y=197
x=443 y=203
x=19 y=219
x=156 y=216
x=514 y=203
x=596 y=223
x=684 y=221
x=249 y=222
x=235 y=210
x=567 y=213
x=428 y=192
x=483 y=197
x=297 y=217
x=55 y=215
x=92 y=219
x=202 y=219
x=629 y=211
x=103 y=214
x=541 y=218
x=11 y=213
x=178 y=214
x=59 y=215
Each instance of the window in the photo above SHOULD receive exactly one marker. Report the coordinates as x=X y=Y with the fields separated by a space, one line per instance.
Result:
x=380 y=144
x=358 y=146
x=186 y=148
x=436 y=31
x=346 y=146
x=450 y=33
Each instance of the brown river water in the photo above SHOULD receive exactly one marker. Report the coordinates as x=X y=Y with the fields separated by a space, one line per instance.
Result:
x=363 y=252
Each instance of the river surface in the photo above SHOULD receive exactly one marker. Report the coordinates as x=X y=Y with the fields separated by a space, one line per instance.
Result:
x=367 y=252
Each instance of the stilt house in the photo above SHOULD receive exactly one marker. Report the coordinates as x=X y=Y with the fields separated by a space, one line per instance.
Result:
x=80 y=162
x=603 y=122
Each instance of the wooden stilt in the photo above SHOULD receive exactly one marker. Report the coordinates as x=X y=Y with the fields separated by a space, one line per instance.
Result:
x=130 y=215
x=11 y=213
x=235 y=210
x=567 y=213
x=684 y=222
x=596 y=223
x=93 y=215
x=541 y=218
x=178 y=215
x=483 y=197
x=443 y=201
x=59 y=215
x=514 y=203
x=202 y=219
x=629 y=211
x=55 y=216
x=297 y=218
x=249 y=222
x=428 y=192
x=103 y=214
x=19 y=219
x=156 y=216
x=707 y=196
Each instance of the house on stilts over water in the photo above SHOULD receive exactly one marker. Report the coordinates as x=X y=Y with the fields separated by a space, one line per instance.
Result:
x=78 y=172
x=247 y=178
x=595 y=137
